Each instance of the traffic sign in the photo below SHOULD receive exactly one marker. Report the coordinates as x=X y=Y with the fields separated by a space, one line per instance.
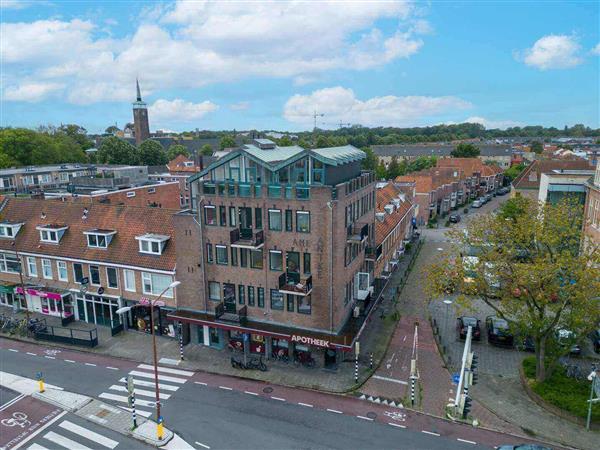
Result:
x=455 y=378
x=83 y=289
x=100 y=290
x=84 y=280
x=246 y=337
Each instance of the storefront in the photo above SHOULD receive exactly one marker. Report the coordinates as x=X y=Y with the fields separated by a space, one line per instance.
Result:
x=9 y=298
x=98 y=309
x=41 y=300
x=138 y=319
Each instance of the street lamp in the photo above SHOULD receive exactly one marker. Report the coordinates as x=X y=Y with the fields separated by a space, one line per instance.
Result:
x=447 y=302
x=126 y=309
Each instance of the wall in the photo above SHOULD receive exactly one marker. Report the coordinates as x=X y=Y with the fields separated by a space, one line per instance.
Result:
x=165 y=196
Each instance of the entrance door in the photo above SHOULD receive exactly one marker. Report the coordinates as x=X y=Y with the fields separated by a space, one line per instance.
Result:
x=90 y=317
x=330 y=358
x=229 y=297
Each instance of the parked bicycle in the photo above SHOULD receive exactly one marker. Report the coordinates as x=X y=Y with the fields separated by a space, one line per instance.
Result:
x=304 y=359
x=251 y=364
x=280 y=355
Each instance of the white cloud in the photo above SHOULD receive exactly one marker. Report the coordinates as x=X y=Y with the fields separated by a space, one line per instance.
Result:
x=19 y=4
x=30 y=92
x=553 y=52
x=240 y=106
x=340 y=104
x=493 y=124
x=179 y=110
x=190 y=44
x=596 y=49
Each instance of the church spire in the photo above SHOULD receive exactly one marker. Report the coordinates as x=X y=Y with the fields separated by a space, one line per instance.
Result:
x=139 y=94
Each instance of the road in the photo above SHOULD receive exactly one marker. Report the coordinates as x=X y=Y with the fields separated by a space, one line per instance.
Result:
x=212 y=411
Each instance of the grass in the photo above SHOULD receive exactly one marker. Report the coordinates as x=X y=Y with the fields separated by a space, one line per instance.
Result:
x=561 y=391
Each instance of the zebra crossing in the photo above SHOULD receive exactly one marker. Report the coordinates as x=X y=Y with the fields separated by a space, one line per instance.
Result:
x=169 y=381
x=72 y=436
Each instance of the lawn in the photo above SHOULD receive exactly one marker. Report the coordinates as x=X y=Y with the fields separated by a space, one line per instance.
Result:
x=562 y=391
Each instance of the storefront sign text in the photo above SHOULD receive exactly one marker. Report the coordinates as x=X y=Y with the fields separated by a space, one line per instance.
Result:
x=310 y=341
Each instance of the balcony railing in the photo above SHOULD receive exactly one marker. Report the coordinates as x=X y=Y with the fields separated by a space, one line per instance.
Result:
x=246 y=238
x=372 y=253
x=223 y=314
x=357 y=234
x=293 y=283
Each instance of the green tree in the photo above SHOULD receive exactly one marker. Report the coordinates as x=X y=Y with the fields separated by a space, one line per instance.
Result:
x=112 y=129
x=381 y=171
x=206 y=150
x=177 y=149
x=117 y=151
x=465 y=150
x=285 y=141
x=77 y=133
x=322 y=142
x=530 y=269
x=536 y=147
x=393 y=169
x=151 y=153
x=370 y=162
x=513 y=171
x=227 y=142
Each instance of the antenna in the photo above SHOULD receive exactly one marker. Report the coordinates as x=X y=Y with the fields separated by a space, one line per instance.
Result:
x=315 y=115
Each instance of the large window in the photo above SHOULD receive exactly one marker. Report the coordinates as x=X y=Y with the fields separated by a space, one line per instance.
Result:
x=77 y=272
x=95 y=275
x=129 y=279
x=276 y=299
x=250 y=295
x=244 y=257
x=275 y=260
x=304 y=304
x=97 y=240
x=62 y=271
x=9 y=263
x=293 y=262
x=150 y=247
x=31 y=267
x=261 y=297
x=221 y=255
x=275 y=219
x=112 y=277
x=210 y=215
x=47 y=269
x=214 y=291
x=256 y=259
x=258 y=218
x=303 y=221
x=290 y=302
x=49 y=236
x=154 y=284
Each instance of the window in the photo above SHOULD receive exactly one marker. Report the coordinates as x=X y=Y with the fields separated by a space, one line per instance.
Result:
x=275 y=260
x=130 y=194
x=221 y=255
x=151 y=190
x=49 y=236
x=261 y=297
x=256 y=259
x=232 y=217
x=95 y=275
x=9 y=263
x=209 y=253
x=250 y=295
x=47 y=269
x=129 y=279
x=31 y=267
x=6 y=231
x=214 y=291
x=152 y=244
x=210 y=215
x=289 y=226
x=303 y=221
x=154 y=284
x=97 y=240
x=62 y=270
x=258 y=218
x=223 y=216
x=244 y=257
x=77 y=272
x=276 y=299
x=275 y=219
x=234 y=256
x=304 y=304
x=307 y=263
x=293 y=262
x=241 y=294
x=290 y=302
x=112 y=277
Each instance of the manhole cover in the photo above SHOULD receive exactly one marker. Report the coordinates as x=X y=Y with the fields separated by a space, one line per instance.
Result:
x=371 y=415
x=268 y=390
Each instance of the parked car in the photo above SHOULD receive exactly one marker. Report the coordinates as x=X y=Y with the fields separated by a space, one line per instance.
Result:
x=483 y=199
x=527 y=345
x=565 y=337
x=523 y=447
x=454 y=218
x=498 y=331
x=595 y=337
x=488 y=197
x=477 y=204
x=463 y=325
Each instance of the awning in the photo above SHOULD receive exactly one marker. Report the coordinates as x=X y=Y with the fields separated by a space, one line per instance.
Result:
x=7 y=288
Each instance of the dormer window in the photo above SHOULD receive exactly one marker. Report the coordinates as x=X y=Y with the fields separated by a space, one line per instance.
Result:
x=52 y=233
x=98 y=238
x=152 y=244
x=9 y=229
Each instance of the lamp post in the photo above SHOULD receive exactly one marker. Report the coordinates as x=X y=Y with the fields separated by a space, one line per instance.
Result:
x=126 y=309
x=447 y=302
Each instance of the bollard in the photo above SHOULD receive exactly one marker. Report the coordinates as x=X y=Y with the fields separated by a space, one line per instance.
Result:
x=412 y=391
x=133 y=414
x=160 y=428
x=356 y=369
x=181 y=341
x=41 y=384
x=371 y=362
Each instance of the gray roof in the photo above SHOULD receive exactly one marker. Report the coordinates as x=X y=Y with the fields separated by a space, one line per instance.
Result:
x=437 y=150
x=275 y=155
x=44 y=169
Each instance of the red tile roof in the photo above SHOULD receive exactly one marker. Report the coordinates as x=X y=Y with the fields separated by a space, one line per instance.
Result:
x=178 y=165
x=127 y=221
x=384 y=197
x=470 y=166
x=428 y=180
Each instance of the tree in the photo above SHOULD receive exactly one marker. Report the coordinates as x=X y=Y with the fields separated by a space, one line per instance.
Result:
x=77 y=133
x=117 y=151
x=322 y=142
x=513 y=171
x=465 y=150
x=177 y=149
x=227 y=142
x=206 y=150
x=536 y=147
x=528 y=267
x=370 y=162
x=151 y=153
x=112 y=129
x=393 y=169
x=381 y=171
x=285 y=141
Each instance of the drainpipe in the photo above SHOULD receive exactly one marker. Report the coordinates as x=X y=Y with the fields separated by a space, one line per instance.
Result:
x=330 y=206
x=202 y=265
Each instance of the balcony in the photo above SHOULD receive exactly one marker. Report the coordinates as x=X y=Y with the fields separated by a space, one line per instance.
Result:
x=247 y=238
x=293 y=283
x=357 y=234
x=373 y=254
x=227 y=313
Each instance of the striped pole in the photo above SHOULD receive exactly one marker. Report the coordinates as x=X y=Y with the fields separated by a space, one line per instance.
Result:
x=180 y=341
x=412 y=391
x=133 y=410
x=356 y=369
x=371 y=362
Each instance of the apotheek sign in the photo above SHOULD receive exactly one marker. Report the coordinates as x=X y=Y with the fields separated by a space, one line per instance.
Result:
x=310 y=341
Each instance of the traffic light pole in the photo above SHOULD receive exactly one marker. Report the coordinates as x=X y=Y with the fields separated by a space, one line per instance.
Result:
x=461 y=380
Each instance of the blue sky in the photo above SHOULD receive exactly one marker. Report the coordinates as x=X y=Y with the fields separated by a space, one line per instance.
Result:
x=266 y=65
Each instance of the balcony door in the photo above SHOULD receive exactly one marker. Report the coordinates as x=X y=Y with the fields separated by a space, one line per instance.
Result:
x=245 y=217
x=229 y=297
x=292 y=261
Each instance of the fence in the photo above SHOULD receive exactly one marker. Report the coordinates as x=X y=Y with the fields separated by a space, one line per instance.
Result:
x=74 y=336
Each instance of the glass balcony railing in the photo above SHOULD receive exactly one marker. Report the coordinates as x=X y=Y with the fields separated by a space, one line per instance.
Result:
x=274 y=191
x=302 y=192
x=245 y=190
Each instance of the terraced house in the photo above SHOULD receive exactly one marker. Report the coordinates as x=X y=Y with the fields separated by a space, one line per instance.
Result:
x=272 y=256
x=83 y=262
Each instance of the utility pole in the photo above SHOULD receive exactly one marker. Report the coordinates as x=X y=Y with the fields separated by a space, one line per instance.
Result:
x=315 y=115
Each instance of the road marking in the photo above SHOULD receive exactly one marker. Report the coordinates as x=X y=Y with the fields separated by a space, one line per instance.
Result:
x=166 y=387
x=13 y=350
x=12 y=402
x=49 y=357
x=334 y=411
x=98 y=438
x=305 y=404
x=466 y=441
x=278 y=399
x=365 y=418
x=160 y=377
x=38 y=431
x=66 y=360
x=393 y=380
x=167 y=370
x=90 y=364
x=32 y=354
x=396 y=425
x=201 y=383
x=35 y=446
x=226 y=388
x=202 y=445
x=63 y=441
x=142 y=392
x=124 y=399
x=250 y=393
x=112 y=368
x=430 y=432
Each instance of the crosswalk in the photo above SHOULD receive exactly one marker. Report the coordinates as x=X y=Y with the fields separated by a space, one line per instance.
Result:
x=169 y=381
x=72 y=436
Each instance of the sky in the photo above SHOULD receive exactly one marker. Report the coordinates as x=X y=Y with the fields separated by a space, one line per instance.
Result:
x=272 y=65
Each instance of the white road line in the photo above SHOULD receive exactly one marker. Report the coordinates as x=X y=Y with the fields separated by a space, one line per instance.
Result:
x=305 y=404
x=396 y=425
x=393 y=380
x=166 y=387
x=142 y=392
x=278 y=399
x=32 y=354
x=466 y=441
x=65 y=442
x=112 y=368
x=38 y=431
x=141 y=412
x=250 y=393
x=430 y=432
x=11 y=402
x=35 y=446
x=365 y=418
x=90 y=364
x=226 y=388
x=160 y=377
x=201 y=383
x=13 y=350
x=66 y=360
x=49 y=357
x=185 y=373
x=202 y=445
x=97 y=438
x=122 y=398
x=334 y=411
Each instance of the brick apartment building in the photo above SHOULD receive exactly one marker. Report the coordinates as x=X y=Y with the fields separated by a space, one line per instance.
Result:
x=33 y=178
x=591 y=222
x=178 y=170
x=272 y=258
x=126 y=253
x=481 y=178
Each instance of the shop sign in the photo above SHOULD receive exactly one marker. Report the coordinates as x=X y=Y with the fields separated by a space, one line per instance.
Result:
x=41 y=294
x=6 y=289
x=310 y=341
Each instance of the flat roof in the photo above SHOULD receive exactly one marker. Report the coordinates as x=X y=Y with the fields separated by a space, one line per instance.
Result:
x=44 y=169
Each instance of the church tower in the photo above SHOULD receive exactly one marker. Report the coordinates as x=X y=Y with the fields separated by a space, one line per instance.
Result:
x=140 y=118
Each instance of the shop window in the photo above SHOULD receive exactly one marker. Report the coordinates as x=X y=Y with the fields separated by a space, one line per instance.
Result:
x=223 y=216
x=214 y=291
x=62 y=270
x=154 y=284
x=306 y=260
x=129 y=279
x=234 y=256
x=290 y=302
x=289 y=226
x=210 y=215
x=275 y=219
x=112 y=277
x=256 y=259
x=31 y=267
x=275 y=260
x=222 y=255
x=241 y=294
x=77 y=272
x=95 y=275
x=304 y=304
x=250 y=295
x=258 y=218
x=276 y=300
x=209 y=253
x=261 y=297
x=47 y=269
x=303 y=221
